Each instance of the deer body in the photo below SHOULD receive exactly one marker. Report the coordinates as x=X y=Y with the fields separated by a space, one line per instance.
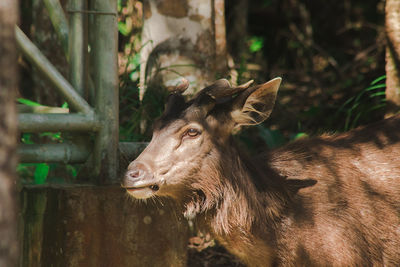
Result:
x=326 y=201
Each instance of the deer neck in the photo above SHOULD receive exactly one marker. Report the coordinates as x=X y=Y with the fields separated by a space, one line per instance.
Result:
x=236 y=203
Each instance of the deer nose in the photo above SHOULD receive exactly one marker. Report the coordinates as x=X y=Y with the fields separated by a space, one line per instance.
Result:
x=137 y=171
x=136 y=174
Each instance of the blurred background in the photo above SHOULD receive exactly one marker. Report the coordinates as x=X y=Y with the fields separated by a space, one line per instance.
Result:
x=327 y=52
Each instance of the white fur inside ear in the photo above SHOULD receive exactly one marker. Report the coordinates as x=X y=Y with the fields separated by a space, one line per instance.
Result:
x=258 y=105
x=246 y=115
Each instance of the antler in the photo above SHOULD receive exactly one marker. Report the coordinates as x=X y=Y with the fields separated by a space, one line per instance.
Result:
x=222 y=88
x=180 y=88
x=209 y=96
x=245 y=85
x=183 y=86
x=175 y=100
x=206 y=98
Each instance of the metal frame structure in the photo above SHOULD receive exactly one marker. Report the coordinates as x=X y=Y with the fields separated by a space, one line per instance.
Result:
x=93 y=76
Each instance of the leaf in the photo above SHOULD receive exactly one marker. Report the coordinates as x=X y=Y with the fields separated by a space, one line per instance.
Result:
x=123 y=29
x=26 y=138
x=65 y=105
x=256 y=44
x=383 y=93
x=299 y=135
x=28 y=102
x=53 y=136
x=375 y=87
x=72 y=170
x=41 y=173
x=135 y=60
x=378 y=79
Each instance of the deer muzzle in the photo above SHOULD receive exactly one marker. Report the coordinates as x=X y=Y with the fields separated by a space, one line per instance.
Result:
x=139 y=181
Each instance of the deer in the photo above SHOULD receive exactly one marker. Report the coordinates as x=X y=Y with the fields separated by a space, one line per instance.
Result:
x=330 y=200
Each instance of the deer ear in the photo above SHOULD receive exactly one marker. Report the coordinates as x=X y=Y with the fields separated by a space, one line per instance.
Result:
x=254 y=105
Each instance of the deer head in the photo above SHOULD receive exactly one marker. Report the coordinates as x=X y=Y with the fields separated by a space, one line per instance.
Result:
x=191 y=136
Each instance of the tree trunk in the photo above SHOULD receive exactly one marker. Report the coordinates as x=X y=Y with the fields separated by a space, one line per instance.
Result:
x=183 y=38
x=180 y=38
x=392 y=24
x=8 y=133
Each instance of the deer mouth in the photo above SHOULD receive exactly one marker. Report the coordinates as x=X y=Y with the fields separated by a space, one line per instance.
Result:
x=141 y=190
x=153 y=187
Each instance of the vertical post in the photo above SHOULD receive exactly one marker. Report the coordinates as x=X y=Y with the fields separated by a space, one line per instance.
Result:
x=77 y=47
x=104 y=68
x=59 y=22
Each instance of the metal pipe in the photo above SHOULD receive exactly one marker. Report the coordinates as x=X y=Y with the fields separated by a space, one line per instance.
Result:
x=59 y=21
x=71 y=153
x=77 y=47
x=58 y=122
x=105 y=72
x=36 y=57
x=63 y=153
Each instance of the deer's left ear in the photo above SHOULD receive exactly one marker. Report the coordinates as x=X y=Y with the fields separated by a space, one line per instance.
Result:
x=254 y=105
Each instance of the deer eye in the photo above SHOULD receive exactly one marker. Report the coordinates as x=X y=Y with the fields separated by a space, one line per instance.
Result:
x=191 y=132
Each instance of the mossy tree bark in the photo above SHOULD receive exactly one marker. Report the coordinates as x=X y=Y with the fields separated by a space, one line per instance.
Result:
x=392 y=25
x=8 y=133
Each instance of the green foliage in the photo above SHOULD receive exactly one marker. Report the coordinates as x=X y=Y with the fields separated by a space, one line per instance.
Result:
x=38 y=173
x=123 y=29
x=256 y=44
x=27 y=138
x=27 y=102
x=134 y=63
x=65 y=105
x=363 y=104
x=53 y=136
x=299 y=135
x=41 y=173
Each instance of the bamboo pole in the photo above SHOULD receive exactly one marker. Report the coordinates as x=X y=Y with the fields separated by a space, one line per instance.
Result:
x=59 y=21
x=105 y=74
x=72 y=153
x=52 y=153
x=36 y=57
x=77 y=47
x=58 y=122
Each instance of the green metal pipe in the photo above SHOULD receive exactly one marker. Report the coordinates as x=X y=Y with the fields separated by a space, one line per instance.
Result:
x=59 y=21
x=36 y=57
x=72 y=153
x=77 y=47
x=105 y=73
x=58 y=122
x=62 y=153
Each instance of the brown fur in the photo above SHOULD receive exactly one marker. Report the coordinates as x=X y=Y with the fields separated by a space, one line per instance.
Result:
x=350 y=217
x=325 y=201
